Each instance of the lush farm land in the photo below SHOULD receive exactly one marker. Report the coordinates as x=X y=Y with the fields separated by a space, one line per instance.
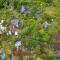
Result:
x=38 y=29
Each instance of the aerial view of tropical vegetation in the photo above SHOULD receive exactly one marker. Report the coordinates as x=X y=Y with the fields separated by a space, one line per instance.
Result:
x=29 y=29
